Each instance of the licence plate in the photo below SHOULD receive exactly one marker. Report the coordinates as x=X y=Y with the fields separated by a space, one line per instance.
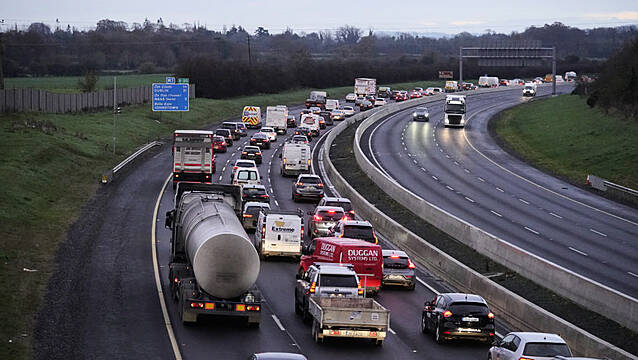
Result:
x=469 y=319
x=469 y=330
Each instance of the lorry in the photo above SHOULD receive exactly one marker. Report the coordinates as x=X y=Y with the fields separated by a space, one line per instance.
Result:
x=454 y=110
x=276 y=118
x=279 y=233
x=213 y=264
x=570 y=76
x=348 y=317
x=295 y=159
x=365 y=86
x=251 y=117
x=488 y=81
x=317 y=98
x=193 y=158
x=451 y=86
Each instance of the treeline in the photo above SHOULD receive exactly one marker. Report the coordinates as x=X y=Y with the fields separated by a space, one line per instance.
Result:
x=152 y=46
x=616 y=88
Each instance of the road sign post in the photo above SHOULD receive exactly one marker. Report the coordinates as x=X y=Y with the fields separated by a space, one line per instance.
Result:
x=170 y=97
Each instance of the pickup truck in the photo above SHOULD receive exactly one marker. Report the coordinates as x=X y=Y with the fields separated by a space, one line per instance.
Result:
x=348 y=317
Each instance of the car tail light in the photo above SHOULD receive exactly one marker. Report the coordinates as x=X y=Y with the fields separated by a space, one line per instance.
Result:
x=524 y=358
x=252 y=308
x=284 y=161
x=490 y=315
x=394 y=256
x=264 y=195
x=447 y=313
x=244 y=153
x=234 y=167
x=359 y=289
x=299 y=184
x=376 y=240
x=308 y=162
x=331 y=211
x=176 y=280
x=263 y=232
x=335 y=332
x=197 y=305
x=302 y=232
x=320 y=185
x=258 y=153
x=411 y=264
x=318 y=218
x=248 y=215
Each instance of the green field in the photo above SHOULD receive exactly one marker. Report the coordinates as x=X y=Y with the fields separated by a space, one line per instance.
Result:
x=69 y=84
x=44 y=153
x=565 y=137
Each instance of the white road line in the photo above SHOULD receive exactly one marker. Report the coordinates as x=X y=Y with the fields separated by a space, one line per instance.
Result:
x=405 y=148
x=158 y=282
x=414 y=160
x=220 y=177
x=466 y=170
x=578 y=251
x=427 y=286
x=495 y=213
x=410 y=155
x=449 y=187
x=276 y=203
x=468 y=199
x=499 y=189
x=423 y=169
x=456 y=163
x=281 y=327
x=531 y=230
x=555 y=215
x=435 y=178
x=523 y=201
x=632 y=274
x=598 y=232
x=223 y=169
x=392 y=331
x=441 y=150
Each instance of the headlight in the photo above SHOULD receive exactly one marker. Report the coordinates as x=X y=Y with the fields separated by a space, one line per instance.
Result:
x=447 y=121
x=413 y=114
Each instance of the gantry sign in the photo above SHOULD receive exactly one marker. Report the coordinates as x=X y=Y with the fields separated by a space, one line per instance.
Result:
x=509 y=56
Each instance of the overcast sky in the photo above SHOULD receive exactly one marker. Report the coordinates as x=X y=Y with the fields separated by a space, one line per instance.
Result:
x=390 y=15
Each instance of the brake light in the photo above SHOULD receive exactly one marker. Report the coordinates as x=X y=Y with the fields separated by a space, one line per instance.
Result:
x=240 y=307
x=318 y=218
x=302 y=232
x=308 y=162
x=410 y=264
x=320 y=185
x=263 y=232
x=176 y=280
x=234 y=167
x=359 y=289
x=312 y=287
x=284 y=161
x=252 y=308
x=264 y=195
x=248 y=215
x=259 y=153
x=197 y=305
x=394 y=256
x=331 y=211
x=524 y=358
x=244 y=153
x=376 y=241
x=447 y=313
x=490 y=315
x=299 y=184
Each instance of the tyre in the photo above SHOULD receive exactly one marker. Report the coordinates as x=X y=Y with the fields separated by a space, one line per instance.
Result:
x=315 y=332
x=378 y=342
x=424 y=325
x=298 y=310
x=412 y=287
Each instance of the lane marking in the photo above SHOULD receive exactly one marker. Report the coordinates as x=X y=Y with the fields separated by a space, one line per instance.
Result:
x=281 y=327
x=468 y=199
x=423 y=169
x=598 y=232
x=435 y=178
x=523 y=201
x=481 y=179
x=392 y=331
x=467 y=170
x=578 y=251
x=414 y=161
x=531 y=230
x=427 y=286
x=632 y=274
x=449 y=187
x=276 y=203
x=495 y=213
x=555 y=215
x=158 y=282
x=499 y=189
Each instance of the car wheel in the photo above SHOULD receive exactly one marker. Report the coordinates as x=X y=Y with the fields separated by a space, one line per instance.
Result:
x=424 y=325
x=412 y=287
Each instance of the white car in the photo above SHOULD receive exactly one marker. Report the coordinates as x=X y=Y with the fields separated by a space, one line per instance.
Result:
x=348 y=110
x=379 y=102
x=529 y=345
x=272 y=134
x=352 y=97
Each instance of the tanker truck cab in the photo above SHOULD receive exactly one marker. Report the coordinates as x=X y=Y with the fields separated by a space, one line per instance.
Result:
x=279 y=233
x=455 y=110
x=193 y=159
x=213 y=264
x=366 y=258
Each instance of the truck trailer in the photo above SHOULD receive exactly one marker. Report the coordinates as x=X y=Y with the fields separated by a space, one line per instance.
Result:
x=213 y=264
x=365 y=86
x=193 y=159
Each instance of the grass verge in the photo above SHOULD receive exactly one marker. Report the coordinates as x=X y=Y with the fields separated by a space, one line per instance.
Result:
x=69 y=84
x=51 y=166
x=342 y=156
x=564 y=137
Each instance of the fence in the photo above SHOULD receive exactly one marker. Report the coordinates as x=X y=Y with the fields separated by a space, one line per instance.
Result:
x=28 y=100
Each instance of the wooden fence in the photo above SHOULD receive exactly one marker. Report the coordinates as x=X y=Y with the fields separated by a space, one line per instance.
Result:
x=34 y=100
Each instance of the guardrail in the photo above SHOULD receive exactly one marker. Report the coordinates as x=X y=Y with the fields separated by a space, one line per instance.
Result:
x=588 y=293
x=615 y=190
x=108 y=175
x=513 y=308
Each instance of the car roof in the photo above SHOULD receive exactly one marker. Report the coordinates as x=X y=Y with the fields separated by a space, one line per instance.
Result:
x=267 y=128
x=309 y=176
x=462 y=297
x=280 y=356
x=254 y=186
x=335 y=268
x=336 y=199
x=346 y=241
x=256 y=204
x=251 y=147
x=224 y=130
x=259 y=134
x=245 y=161
x=356 y=223
x=390 y=252
x=326 y=208
x=539 y=337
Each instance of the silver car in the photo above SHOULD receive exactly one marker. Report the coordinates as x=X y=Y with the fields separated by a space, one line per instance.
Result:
x=323 y=219
x=398 y=270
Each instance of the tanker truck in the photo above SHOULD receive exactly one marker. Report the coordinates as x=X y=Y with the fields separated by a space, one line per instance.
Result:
x=213 y=264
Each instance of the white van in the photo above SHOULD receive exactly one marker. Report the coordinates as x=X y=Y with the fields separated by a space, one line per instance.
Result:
x=332 y=104
x=279 y=233
x=276 y=118
x=295 y=159
x=311 y=122
x=246 y=176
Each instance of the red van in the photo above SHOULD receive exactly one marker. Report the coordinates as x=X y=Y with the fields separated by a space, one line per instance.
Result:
x=366 y=257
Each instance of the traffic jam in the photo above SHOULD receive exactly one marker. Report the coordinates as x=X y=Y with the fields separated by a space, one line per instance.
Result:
x=342 y=266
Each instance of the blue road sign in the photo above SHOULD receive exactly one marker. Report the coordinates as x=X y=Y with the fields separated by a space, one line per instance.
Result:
x=170 y=97
x=170 y=80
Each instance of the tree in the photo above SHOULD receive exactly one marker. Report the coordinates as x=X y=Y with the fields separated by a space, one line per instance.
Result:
x=106 y=25
x=348 y=34
x=40 y=29
x=89 y=82
x=261 y=32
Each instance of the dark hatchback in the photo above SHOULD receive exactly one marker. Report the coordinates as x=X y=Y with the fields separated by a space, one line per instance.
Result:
x=260 y=139
x=326 y=117
x=254 y=193
x=251 y=153
x=458 y=316
x=291 y=122
x=226 y=134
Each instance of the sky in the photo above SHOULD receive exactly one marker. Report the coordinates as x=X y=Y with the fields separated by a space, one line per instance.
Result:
x=420 y=16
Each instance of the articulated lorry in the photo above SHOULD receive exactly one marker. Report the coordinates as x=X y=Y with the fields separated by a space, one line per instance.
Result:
x=454 y=109
x=213 y=264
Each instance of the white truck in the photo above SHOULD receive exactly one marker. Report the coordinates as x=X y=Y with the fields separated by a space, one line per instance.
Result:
x=488 y=81
x=276 y=118
x=365 y=86
x=295 y=159
x=193 y=159
x=454 y=110
x=279 y=233
x=332 y=104
x=529 y=89
x=570 y=76
x=317 y=98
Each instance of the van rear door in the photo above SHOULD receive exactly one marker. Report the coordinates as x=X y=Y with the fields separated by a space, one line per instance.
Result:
x=283 y=235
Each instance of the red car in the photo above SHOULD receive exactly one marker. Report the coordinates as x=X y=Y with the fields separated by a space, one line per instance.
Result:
x=415 y=94
x=219 y=144
x=402 y=96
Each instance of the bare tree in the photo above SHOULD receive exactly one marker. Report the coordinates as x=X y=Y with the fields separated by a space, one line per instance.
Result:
x=348 y=34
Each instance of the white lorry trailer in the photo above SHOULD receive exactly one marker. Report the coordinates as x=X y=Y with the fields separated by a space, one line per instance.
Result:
x=295 y=159
x=488 y=81
x=276 y=118
x=193 y=159
x=365 y=86
x=454 y=110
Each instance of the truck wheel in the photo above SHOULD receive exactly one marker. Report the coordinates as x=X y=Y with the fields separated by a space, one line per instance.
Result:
x=378 y=342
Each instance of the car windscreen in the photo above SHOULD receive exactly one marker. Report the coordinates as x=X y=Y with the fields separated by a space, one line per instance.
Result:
x=260 y=136
x=346 y=206
x=310 y=180
x=358 y=232
x=469 y=309
x=330 y=215
x=395 y=263
x=254 y=210
x=309 y=120
x=254 y=191
x=221 y=132
x=247 y=175
x=251 y=149
x=546 y=349
x=333 y=280
x=454 y=107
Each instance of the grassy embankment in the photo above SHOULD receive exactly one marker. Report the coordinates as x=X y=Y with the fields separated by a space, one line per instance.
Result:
x=69 y=84
x=51 y=166
x=563 y=136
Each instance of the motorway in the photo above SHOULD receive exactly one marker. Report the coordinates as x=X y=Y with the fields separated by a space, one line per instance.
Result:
x=464 y=172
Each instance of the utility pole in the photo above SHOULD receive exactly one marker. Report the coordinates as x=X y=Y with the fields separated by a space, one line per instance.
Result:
x=461 y=68
x=1 y=59
x=249 y=57
x=554 y=70
x=115 y=108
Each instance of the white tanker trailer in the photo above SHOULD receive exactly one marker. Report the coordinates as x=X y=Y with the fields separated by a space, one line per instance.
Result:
x=213 y=265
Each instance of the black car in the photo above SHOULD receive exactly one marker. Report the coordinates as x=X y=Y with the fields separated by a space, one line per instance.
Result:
x=260 y=139
x=254 y=193
x=421 y=113
x=366 y=105
x=291 y=122
x=304 y=131
x=458 y=316
x=326 y=117
x=226 y=134
x=251 y=153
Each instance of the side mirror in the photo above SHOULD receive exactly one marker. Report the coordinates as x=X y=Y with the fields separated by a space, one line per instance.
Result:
x=168 y=221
